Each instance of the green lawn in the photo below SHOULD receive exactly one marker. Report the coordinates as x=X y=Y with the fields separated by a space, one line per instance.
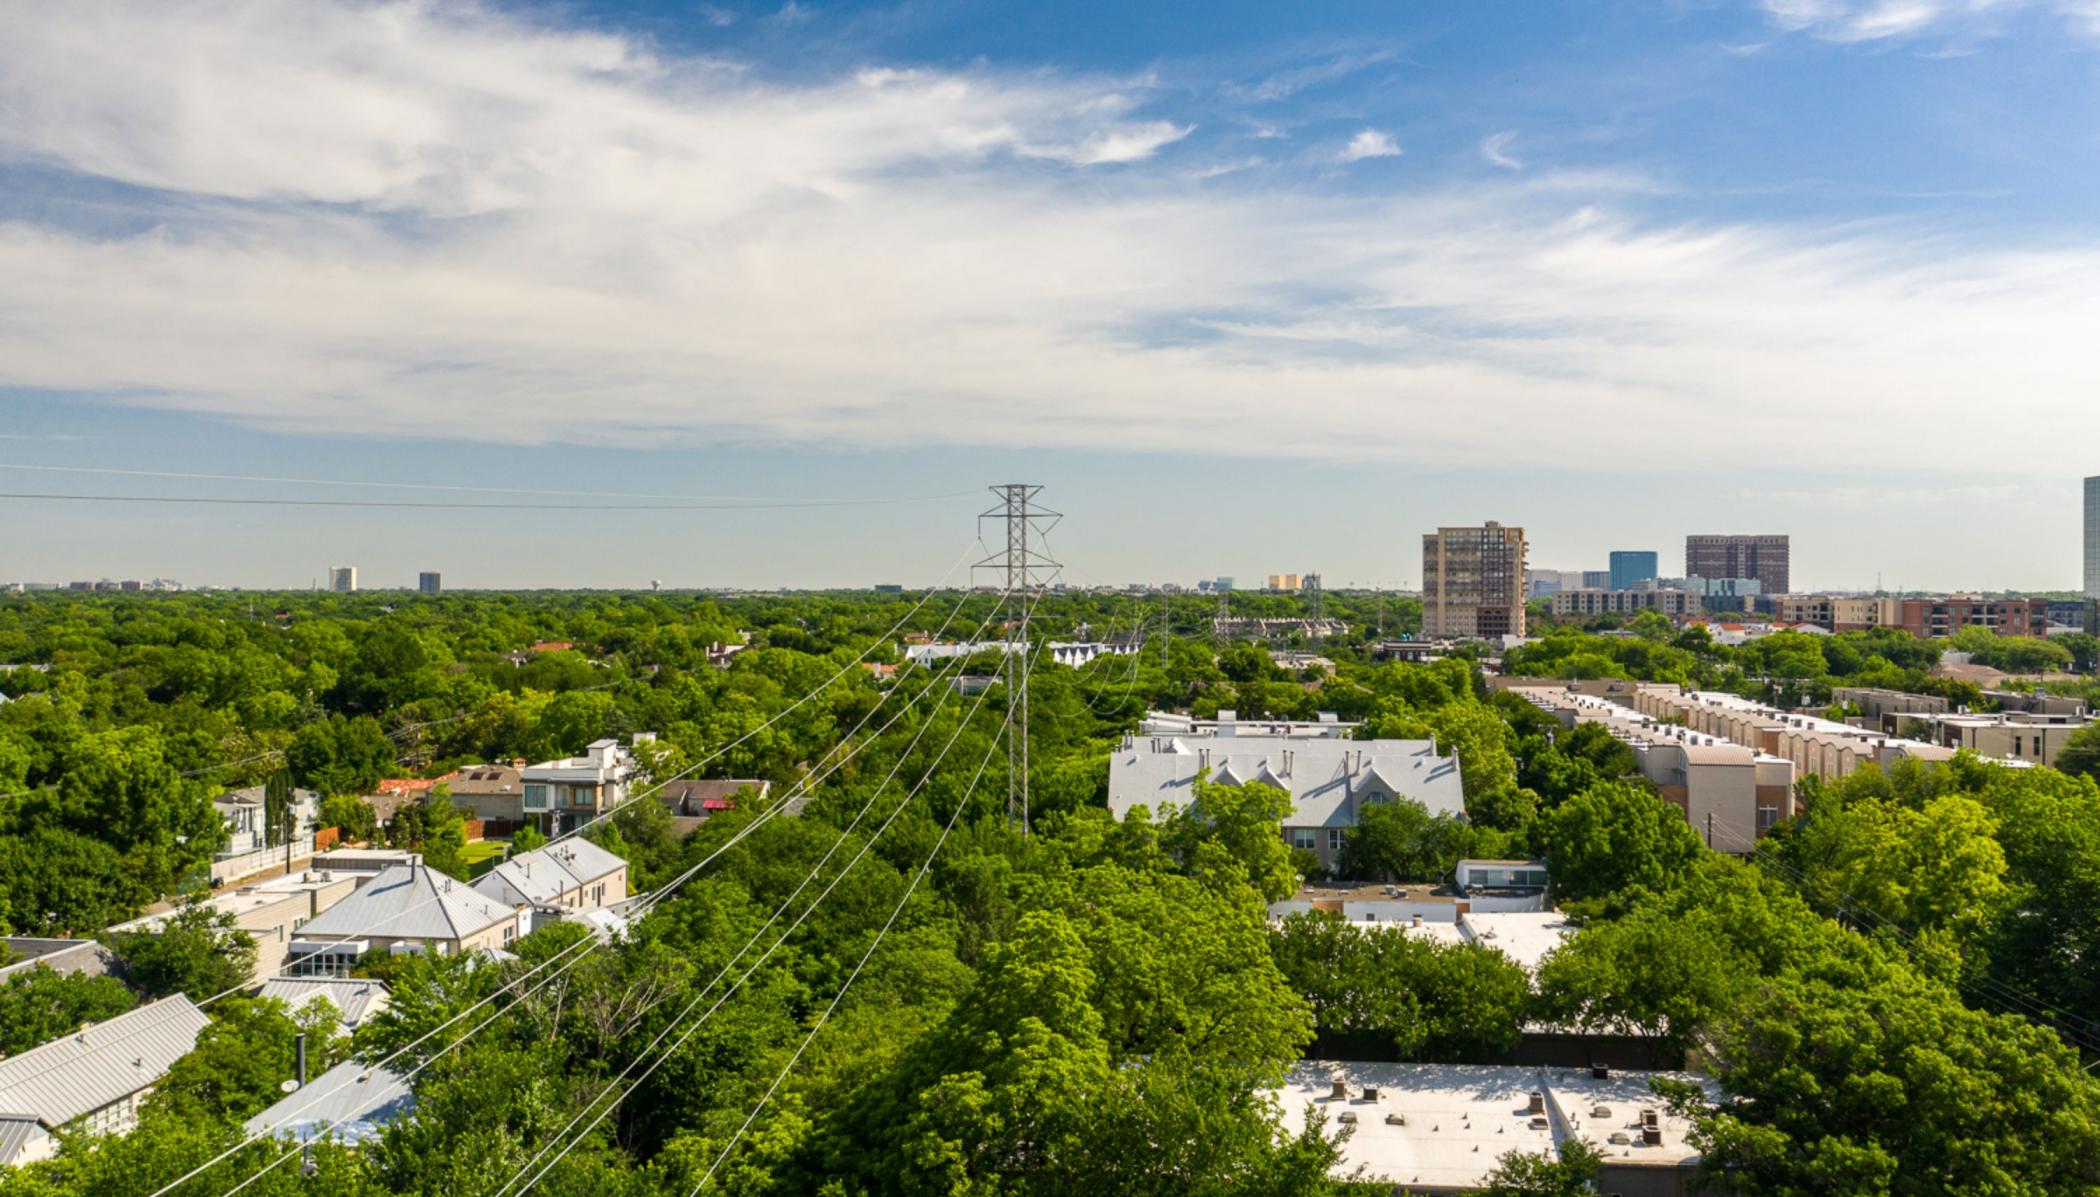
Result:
x=483 y=855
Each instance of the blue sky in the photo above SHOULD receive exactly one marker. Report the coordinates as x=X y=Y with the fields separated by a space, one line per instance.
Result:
x=1251 y=287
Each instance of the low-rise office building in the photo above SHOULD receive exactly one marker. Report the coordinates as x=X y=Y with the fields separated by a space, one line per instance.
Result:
x=272 y=912
x=1330 y=778
x=1443 y=1128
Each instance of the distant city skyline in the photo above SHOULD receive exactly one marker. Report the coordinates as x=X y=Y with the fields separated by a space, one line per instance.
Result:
x=1322 y=276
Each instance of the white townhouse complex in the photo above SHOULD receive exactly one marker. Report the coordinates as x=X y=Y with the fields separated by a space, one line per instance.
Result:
x=1329 y=777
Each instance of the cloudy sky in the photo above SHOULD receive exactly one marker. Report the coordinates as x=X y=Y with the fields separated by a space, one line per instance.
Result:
x=1248 y=286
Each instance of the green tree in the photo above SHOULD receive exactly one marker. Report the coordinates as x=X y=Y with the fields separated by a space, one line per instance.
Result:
x=1615 y=837
x=38 y=1005
x=197 y=950
x=243 y=1058
x=2080 y=755
x=1569 y=1172
x=1231 y=834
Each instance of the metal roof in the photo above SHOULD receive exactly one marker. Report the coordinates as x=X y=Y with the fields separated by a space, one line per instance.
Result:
x=1328 y=780
x=355 y=998
x=86 y=1070
x=350 y=1102
x=543 y=875
x=410 y=902
x=18 y=1132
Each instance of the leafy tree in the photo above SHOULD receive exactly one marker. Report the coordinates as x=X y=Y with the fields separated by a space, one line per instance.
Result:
x=351 y=815
x=1569 y=1172
x=1230 y=835
x=1616 y=837
x=243 y=1058
x=38 y=1005
x=527 y=839
x=197 y=950
x=2080 y=755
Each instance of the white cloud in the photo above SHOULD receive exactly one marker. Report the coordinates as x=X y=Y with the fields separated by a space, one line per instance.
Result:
x=427 y=220
x=1879 y=20
x=1493 y=149
x=1370 y=143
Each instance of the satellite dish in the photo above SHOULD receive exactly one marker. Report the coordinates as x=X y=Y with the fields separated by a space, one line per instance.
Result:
x=289 y=1087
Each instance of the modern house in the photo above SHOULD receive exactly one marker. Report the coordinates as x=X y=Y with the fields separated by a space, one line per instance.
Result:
x=406 y=908
x=95 y=1077
x=561 y=795
x=1330 y=778
x=574 y=874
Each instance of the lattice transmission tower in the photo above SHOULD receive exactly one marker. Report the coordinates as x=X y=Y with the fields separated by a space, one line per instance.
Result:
x=1025 y=570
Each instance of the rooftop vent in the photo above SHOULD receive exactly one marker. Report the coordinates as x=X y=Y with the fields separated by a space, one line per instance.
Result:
x=1370 y=1093
x=1341 y=1090
x=1601 y=1072
x=1347 y=1116
x=1538 y=1124
x=1396 y=1119
x=1537 y=1104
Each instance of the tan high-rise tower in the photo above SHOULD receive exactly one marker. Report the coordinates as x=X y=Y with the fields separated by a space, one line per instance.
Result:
x=1473 y=582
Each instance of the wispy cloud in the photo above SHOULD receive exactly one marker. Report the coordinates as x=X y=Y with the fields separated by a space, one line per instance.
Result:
x=1370 y=143
x=1494 y=147
x=1882 y=20
x=416 y=220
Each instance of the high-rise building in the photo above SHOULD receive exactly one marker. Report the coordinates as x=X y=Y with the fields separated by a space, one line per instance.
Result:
x=342 y=578
x=1632 y=566
x=1760 y=557
x=2092 y=555
x=430 y=582
x=1473 y=582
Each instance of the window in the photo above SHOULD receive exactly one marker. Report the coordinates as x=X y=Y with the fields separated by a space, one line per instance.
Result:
x=509 y=933
x=1302 y=837
x=536 y=797
x=1334 y=839
x=1766 y=816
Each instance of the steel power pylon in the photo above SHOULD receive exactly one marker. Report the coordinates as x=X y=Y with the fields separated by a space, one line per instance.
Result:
x=1026 y=570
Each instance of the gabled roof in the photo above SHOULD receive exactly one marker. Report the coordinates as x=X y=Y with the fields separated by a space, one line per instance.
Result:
x=350 y=1102
x=355 y=998
x=17 y=1132
x=410 y=902
x=81 y=1072
x=541 y=876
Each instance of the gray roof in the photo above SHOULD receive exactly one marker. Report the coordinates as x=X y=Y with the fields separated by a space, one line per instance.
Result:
x=17 y=1133
x=86 y=1070
x=409 y=902
x=351 y=1102
x=1328 y=779
x=355 y=998
x=541 y=876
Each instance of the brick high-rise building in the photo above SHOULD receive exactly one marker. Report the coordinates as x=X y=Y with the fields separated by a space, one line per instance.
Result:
x=1473 y=582
x=1760 y=557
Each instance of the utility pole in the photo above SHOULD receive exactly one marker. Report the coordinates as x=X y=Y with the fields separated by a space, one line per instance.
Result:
x=1026 y=570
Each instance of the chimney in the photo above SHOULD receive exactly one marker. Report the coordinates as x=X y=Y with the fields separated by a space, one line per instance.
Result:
x=1418 y=920
x=1537 y=1104
x=1341 y=1090
x=300 y=1047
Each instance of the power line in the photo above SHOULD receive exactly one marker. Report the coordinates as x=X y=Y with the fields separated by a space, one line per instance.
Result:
x=441 y=486
x=224 y=500
x=695 y=1026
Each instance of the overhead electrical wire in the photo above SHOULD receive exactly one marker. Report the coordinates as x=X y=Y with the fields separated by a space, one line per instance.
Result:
x=258 y=501
x=589 y=944
x=456 y=488
x=689 y=1031
x=646 y=792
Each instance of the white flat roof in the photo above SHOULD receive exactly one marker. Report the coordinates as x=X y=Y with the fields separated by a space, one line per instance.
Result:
x=1446 y=1126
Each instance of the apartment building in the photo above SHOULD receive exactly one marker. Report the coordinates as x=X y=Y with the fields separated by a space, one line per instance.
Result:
x=1838 y=614
x=1730 y=793
x=1935 y=619
x=1766 y=558
x=1816 y=746
x=1329 y=777
x=1473 y=582
x=2035 y=739
x=1624 y=602
x=342 y=578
